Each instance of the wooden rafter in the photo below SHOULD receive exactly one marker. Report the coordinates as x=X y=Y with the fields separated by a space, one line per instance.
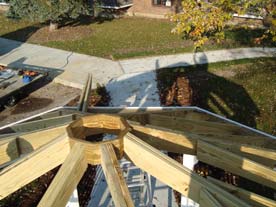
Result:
x=66 y=179
x=213 y=141
x=93 y=151
x=172 y=173
x=114 y=177
x=185 y=143
x=207 y=199
x=33 y=165
x=194 y=126
x=13 y=146
x=236 y=164
x=251 y=198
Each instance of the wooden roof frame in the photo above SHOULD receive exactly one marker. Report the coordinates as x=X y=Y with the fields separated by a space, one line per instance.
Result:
x=140 y=137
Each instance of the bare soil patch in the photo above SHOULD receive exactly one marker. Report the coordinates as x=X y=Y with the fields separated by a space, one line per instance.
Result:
x=65 y=33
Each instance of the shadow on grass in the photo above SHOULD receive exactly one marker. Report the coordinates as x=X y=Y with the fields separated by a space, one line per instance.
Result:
x=247 y=37
x=24 y=34
x=209 y=91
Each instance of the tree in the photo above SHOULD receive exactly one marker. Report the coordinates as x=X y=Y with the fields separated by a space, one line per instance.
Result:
x=203 y=19
x=53 y=11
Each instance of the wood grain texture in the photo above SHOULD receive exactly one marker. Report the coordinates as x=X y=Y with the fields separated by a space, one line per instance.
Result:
x=114 y=177
x=195 y=126
x=33 y=165
x=251 y=198
x=13 y=146
x=67 y=178
x=185 y=143
x=164 y=139
x=207 y=199
x=236 y=164
x=172 y=173
x=93 y=151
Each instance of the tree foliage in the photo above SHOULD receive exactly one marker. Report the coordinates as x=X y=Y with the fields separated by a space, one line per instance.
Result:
x=203 y=19
x=48 y=10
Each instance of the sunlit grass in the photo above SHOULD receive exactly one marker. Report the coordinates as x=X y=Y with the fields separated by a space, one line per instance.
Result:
x=125 y=38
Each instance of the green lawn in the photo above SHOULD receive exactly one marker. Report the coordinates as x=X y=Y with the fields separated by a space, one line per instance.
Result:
x=244 y=90
x=119 y=38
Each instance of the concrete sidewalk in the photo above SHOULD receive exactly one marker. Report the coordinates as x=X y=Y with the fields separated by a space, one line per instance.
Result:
x=130 y=82
x=172 y=61
x=75 y=66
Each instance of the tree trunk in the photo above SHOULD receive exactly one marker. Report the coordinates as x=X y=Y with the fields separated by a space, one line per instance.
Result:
x=53 y=26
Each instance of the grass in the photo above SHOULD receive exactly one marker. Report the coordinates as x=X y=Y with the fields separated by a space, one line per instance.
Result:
x=119 y=38
x=243 y=90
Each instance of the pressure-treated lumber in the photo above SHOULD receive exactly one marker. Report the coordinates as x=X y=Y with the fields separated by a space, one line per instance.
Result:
x=185 y=143
x=164 y=139
x=87 y=94
x=116 y=183
x=236 y=164
x=184 y=114
x=14 y=146
x=33 y=165
x=93 y=151
x=66 y=179
x=95 y=124
x=8 y=151
x=78 y=130
x=260 y=155
x=172 y=173
x=251 y=198
x=207 y=199
x=80 y=103
x=194 y=126
x=41 y=124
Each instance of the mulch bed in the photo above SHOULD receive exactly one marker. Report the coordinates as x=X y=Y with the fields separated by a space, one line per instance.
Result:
x=31 y=194
x=98 y=97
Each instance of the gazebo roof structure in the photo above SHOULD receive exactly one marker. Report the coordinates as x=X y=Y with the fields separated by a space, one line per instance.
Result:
x=46 y=141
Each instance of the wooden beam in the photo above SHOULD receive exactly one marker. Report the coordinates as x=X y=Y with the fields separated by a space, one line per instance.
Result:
x=33 y=165
x=236 y=164
x=87 y=94
x=8 y=151
x=93 y=151
x=13 y=146
x=260 y=155
x=40 y=124
x=80 y=103
x=164 y=139
x=114 y=177
x=195 y=126
x=185 y=143
x=66 y=179
x=172 y=173
x=183 y=114
x=251 y=198
x=207 y=199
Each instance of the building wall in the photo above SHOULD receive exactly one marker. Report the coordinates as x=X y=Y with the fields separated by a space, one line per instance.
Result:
x=146 y=8
x=4 y=7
